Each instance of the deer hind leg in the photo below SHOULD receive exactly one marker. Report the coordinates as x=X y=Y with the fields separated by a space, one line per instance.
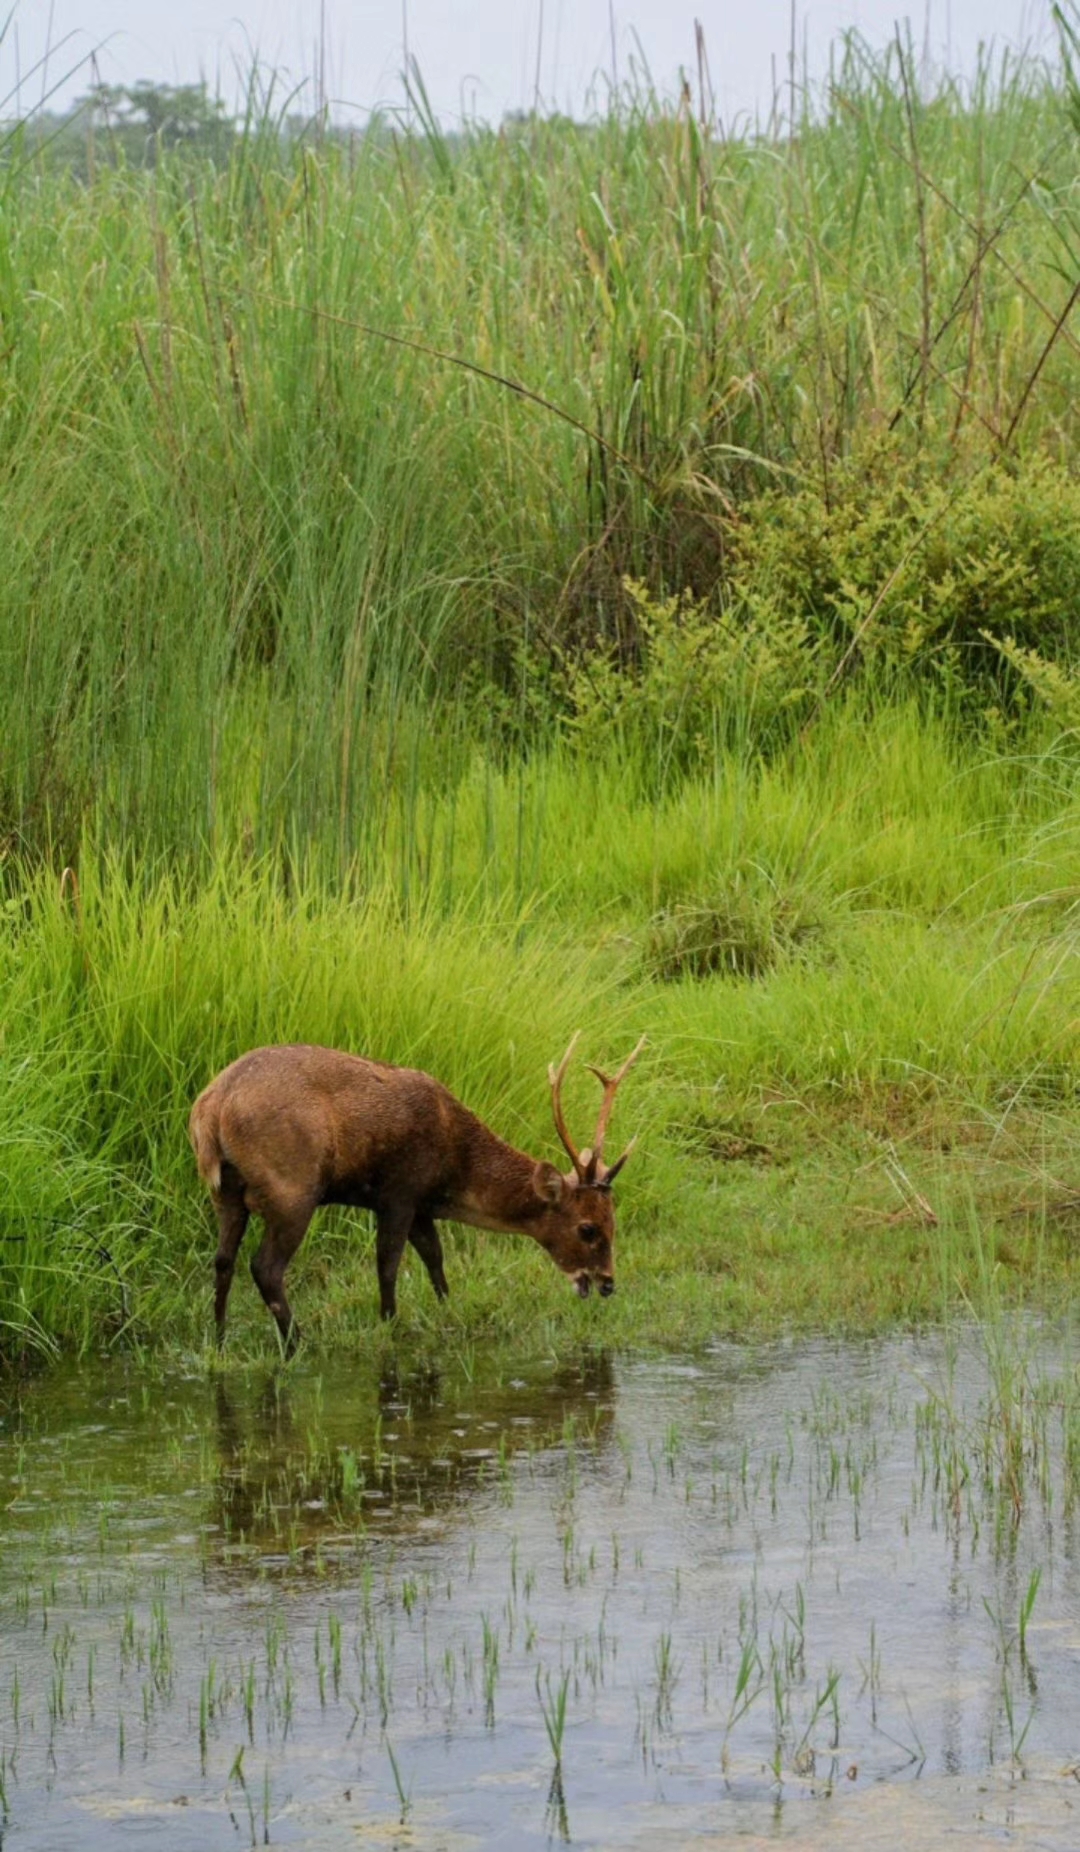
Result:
x=232 y=1216
x=425 y=1239
x=392 y=1230
x=284 y=1233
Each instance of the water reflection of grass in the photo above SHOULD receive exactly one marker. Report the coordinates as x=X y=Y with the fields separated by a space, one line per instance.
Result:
x=650 y=1583
x=299 y=1480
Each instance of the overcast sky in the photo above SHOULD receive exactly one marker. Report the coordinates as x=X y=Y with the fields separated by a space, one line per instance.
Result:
x=481 y=57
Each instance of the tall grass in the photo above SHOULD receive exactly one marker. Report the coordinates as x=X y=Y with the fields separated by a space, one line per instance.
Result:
x=945 y=966
x=309 y=636
x=247 y=539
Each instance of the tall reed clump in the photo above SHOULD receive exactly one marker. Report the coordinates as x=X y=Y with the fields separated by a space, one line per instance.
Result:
x=251 y=544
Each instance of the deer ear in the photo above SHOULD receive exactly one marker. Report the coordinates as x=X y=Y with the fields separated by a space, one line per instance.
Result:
x=548 y=1184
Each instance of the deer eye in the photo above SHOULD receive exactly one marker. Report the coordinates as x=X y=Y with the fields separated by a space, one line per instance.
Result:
x=590 y=1233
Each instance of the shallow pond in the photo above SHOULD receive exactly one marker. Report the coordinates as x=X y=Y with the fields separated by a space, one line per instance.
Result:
x=819 y=1595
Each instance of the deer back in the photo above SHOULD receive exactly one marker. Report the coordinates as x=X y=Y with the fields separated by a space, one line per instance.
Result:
x=316 y=1122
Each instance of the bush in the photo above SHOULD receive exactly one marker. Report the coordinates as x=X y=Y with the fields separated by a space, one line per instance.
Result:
x=902 y=571
x=896 y=576
x=700 y=672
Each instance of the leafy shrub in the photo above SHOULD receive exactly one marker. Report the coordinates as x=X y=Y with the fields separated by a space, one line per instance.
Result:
x=1050 y=682
x=975 y=587
x=699 y=670
x=904 y=570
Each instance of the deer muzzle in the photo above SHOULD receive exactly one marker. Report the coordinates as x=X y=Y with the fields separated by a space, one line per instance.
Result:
x=605 y=1286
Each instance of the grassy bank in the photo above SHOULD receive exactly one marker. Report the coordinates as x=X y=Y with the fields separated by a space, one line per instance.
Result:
x=856 y=967
x=668 y=629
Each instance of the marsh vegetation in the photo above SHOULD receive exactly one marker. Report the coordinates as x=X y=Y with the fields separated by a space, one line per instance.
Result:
x=459 y=590
x=756 y=1591
x=718 y=687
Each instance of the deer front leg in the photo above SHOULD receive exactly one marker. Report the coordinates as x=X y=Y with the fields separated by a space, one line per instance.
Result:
x=425 y=1239
x=392 y=1226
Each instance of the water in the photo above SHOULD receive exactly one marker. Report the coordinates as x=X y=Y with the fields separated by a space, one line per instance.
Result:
x=818 y=1595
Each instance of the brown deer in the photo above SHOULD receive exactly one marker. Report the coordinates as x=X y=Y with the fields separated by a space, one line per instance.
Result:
x=283 y=1130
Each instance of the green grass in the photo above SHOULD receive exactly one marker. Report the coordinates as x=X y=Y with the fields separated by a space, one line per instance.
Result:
x=322 y=667
x=839 y=1140
x=247 y=541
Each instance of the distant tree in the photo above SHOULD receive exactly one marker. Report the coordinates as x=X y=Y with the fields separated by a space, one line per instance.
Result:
x=151 y=117
x=138 y=122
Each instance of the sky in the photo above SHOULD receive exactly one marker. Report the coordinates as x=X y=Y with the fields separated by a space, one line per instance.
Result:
x=478 y=58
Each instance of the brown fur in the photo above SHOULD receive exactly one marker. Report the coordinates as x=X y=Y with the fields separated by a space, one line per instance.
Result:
x=283 y=1130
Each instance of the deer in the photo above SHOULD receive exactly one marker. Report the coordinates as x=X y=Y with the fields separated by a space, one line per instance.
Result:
x=284 y=1130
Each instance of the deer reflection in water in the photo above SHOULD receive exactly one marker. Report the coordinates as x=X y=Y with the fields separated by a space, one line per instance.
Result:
x=307 y=1480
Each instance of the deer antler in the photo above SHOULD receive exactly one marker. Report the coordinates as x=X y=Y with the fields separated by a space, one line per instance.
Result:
x=587 y=1163
x=555 y=1076
x=610 y=1083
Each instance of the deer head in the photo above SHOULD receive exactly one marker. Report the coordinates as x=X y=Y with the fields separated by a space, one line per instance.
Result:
x=578 y=1226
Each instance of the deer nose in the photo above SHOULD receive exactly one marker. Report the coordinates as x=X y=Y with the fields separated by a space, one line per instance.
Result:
x=606 y=1288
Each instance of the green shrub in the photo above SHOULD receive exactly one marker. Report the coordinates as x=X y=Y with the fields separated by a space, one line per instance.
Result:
x=896 y=576
x=701 y=672
x=897 y=569
x=1052 y=684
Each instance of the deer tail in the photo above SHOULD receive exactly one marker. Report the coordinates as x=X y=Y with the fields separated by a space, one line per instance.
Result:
x=205 y=1144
